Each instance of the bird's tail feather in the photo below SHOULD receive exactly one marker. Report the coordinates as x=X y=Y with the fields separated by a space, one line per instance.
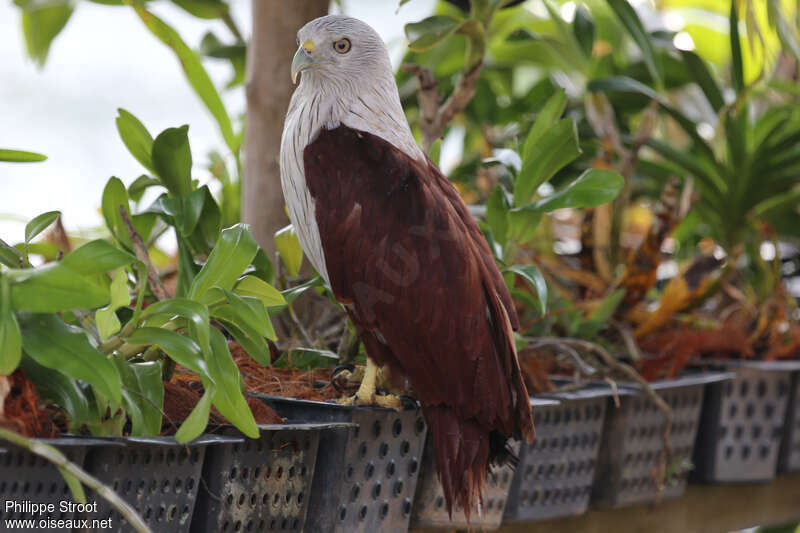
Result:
x=464 y=450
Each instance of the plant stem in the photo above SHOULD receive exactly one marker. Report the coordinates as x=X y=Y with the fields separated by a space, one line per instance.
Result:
x=141 y=252
x=57 y=458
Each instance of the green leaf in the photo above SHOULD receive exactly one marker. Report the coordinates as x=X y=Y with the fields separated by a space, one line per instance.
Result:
x=114 y=197
x=593 y=187
x=737 y=68
x=9 y=255
x=97 y=257
x=289 y=248
x=252 y=342
x=172 y=160
x=52 y=288
x=630 y=20
x=775 y=203
x=10 y=336
x=41 y=23
x=262 y=267
x=547 y=118
x=583 y=29
x=139 y=185
x=75 y=487
x=522 y=225
x=196 y=422
x=187 y=268
x=534 y=277
x=142 y=395
x=39 y=224
x=194 y=312
x=228 y=399
x=183 y=350
x=607 y=306
x=700 y=74
x=55 y=387
x=307 y=358
x=185 y=210
x=106 y=318
x=206 y=9
x=623 y=84
x=136 y=138
x=53 y=344
x=234 y=251
x=497 y=214
x=19 y=156
x=291 y=294
x=250 y=313
x=193 y=68
x=258 y=288
x=431 y=31
x=556 y=149
x=208 y=226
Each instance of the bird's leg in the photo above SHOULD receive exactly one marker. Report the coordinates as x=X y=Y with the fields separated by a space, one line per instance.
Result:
x=366 y=393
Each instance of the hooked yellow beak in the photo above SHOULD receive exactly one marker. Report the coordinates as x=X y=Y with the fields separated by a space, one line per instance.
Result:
x=302 y=59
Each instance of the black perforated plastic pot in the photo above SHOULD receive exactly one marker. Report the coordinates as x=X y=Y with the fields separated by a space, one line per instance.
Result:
x=789 y=456
x=158 y=476
x=555 y=472
x=25 y=476
x=429 y=505
x=632 y=441
x=365 y=475
x=259 y=484
x=743 y=423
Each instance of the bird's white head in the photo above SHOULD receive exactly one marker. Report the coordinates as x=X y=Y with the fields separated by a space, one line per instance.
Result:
x=340 y=50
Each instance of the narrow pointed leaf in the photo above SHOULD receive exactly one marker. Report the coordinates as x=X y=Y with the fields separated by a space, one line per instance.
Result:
x=630 y=20
x=106 y=317
x=53 y=344
x=229 y=399
x=193 y=69
x=534 y=277
x=180 y=348
x=431 y=31
x=497 y=214
x=556 y=149
x=194 y=312
x=702 y=76
x=39 y=224
x=258 y=288
x=10 y=336
x=737 y=67
x=136 y=138
x=289 y=248
x=97 y=257
x=196 y=422
x=20 y=156
x=593 y=187
x=234 y=251
x=52 y=288
x=172 y=160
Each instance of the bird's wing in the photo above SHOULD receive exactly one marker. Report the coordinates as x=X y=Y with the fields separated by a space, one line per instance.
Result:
x=405 y=256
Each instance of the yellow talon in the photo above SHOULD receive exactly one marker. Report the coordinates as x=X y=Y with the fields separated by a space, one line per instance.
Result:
x=366 y=393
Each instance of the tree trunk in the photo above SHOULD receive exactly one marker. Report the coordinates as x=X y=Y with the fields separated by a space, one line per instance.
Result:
x=275 y=25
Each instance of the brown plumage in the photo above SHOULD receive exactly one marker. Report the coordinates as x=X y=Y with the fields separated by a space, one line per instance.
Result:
x=412 y=268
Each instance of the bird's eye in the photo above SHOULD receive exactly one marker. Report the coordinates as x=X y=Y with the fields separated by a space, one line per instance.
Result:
x=298 y=41
x=342 y=46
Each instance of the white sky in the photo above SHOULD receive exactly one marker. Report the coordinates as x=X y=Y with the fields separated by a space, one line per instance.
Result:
x=105 y=59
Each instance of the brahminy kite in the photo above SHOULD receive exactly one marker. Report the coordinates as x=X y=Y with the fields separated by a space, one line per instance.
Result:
x=401 y=252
